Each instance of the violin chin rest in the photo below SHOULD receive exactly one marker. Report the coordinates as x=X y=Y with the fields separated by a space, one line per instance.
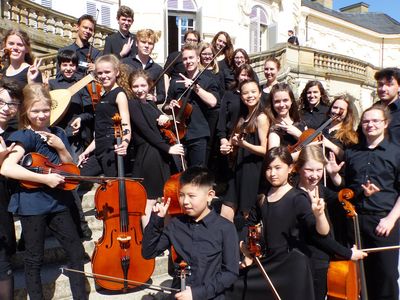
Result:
x=27 y=160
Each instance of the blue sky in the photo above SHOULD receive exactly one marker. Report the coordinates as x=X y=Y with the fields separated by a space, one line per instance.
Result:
x=389 y=7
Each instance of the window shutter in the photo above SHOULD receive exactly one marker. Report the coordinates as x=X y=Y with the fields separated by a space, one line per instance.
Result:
x=105 y=15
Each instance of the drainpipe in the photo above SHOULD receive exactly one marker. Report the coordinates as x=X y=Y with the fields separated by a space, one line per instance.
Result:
x=307 y=29
x=382 y=52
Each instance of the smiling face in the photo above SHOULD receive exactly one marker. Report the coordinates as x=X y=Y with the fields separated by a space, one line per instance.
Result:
x=373 y=124
x=67 y=68
x=277 y=172
x=220 y=42
x=388 y=90
x=239 y=59
x=339 y=108
x=194 y=200
x=190 y=60
x=250 y=94
x=8 y=107
x=206 y=56
x=313 y=96
x=244 y=75
x=85 y=30
x=107 y=74
x=270 y=71
x=281 y=103
x=39 y=115
x=17 y=47
x=140 y=88
x=311 y=173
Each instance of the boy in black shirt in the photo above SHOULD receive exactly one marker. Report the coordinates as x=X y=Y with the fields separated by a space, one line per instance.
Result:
x=207 y=242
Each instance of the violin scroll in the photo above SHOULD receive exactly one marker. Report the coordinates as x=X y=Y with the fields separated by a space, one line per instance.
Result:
x=344 y=196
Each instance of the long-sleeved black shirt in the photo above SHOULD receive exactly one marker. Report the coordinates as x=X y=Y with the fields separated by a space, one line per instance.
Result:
x=210 y=247
x=394 y=125
x=115 y=42
x=381 y=166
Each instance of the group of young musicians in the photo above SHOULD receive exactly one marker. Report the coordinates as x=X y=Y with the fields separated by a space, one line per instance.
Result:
x=253 y=139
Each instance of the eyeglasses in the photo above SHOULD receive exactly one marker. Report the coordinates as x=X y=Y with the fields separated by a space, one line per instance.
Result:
x=206 y=54
x=373 y=121
x=11 y=105
x=191 y=40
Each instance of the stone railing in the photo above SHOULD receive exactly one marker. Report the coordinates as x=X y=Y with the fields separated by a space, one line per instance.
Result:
x=44 y=20
x=309 y=61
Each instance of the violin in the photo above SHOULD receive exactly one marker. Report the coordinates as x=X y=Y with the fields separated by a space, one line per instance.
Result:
x=168 y=134
x=40 y=164
x=346 y=279
x=183 y=271
x=120 y=204
x=4 y=57
x=311 y=135
x=254 y=247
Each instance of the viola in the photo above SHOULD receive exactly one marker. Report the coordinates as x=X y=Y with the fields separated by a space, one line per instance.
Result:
x=40 y=164
x=168 y=134
x=171 y=191
x=311 y=135
x=120 y=204
x=346 y=280
x=183 y=113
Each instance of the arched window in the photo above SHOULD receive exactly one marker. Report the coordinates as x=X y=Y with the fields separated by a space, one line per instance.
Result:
x=258 y=29
x=181 y=17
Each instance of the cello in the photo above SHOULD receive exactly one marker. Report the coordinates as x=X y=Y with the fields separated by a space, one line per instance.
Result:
x=346 y=279
x=120 y=204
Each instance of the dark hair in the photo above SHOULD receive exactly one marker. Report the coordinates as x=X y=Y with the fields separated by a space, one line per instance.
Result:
x=25 y=40
x=86 y=17
x=269 y=106
x=248 y=69
x=197 y=175
x=194 y=32
x=13 y=89
x=246 y=57
x=388 y=74
x=67 y=55
x=125 y=11
x=280 y=152
x=304 y=104
x=275 y=60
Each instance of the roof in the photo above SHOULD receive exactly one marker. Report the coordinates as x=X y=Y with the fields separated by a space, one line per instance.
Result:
x=378 y=22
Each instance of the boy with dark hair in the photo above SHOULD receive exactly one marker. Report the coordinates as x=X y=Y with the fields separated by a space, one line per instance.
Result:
x=203 y=239
x=85 y=30
x=122 y=43
x=77 y=122
x=388 y=88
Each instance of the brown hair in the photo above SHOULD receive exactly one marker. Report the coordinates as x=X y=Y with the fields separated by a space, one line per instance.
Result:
x=34 y=92
x=269 y=106
x=275 y=60
x=228 y=50
x=25 y=39
x=303 y=97
x=137 y=74
x=346 y=133
x=125 y=11
x=203 y=46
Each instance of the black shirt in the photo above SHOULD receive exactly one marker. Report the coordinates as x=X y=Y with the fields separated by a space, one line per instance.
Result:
x=197 y=125
x=154 y=71
x=115 y=42
x=82 y=56
x=381 y=166
x=315 y=117
x=176 y=67
x=210 y=247
x=228 y=114
x=394 y=125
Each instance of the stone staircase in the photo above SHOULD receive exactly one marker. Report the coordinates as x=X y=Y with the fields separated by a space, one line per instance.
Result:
x=56 y=285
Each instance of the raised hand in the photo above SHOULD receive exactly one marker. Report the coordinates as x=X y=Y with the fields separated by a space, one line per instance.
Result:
x=370 y=188
x=161 y=208
x=33 y=70
x=52 y=140
x=126 y=47
x=332 y=167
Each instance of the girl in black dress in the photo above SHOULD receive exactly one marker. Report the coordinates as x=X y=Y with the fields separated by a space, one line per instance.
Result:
x=286 y=216
x=272 y=67
x=222 y=40
x=10 y=97
x=114 y=100
x=310 y=165
x=314 y=104
x=247 y=146
x=281 y=107
x=47 y=206
x=152 y=154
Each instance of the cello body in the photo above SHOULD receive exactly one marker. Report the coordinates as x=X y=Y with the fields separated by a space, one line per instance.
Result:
x=343 y=280
x=120 y=204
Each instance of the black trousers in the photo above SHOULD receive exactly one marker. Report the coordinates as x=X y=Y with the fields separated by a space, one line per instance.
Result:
x=196 y=152
x=62 y=227
x=381 y=268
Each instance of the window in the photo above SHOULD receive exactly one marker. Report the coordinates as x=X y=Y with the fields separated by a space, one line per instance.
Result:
x=105 y=15
x=91 y=8
x=46 y=3
x=104 y=11
x=181 y=17
x=258 y=29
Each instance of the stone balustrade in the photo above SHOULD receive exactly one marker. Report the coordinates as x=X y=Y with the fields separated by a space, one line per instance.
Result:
x=45 y=20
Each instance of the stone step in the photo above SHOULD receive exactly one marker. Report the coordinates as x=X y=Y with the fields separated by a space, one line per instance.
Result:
x=56 y=285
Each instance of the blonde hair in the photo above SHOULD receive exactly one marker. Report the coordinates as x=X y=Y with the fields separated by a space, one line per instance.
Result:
x=123 y=70
x=34 y=92
x=147 y=34
x=310 y=152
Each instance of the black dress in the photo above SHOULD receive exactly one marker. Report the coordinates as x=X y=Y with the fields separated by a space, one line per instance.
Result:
x=284 y=221
x=152 y=160
x=243 y=186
